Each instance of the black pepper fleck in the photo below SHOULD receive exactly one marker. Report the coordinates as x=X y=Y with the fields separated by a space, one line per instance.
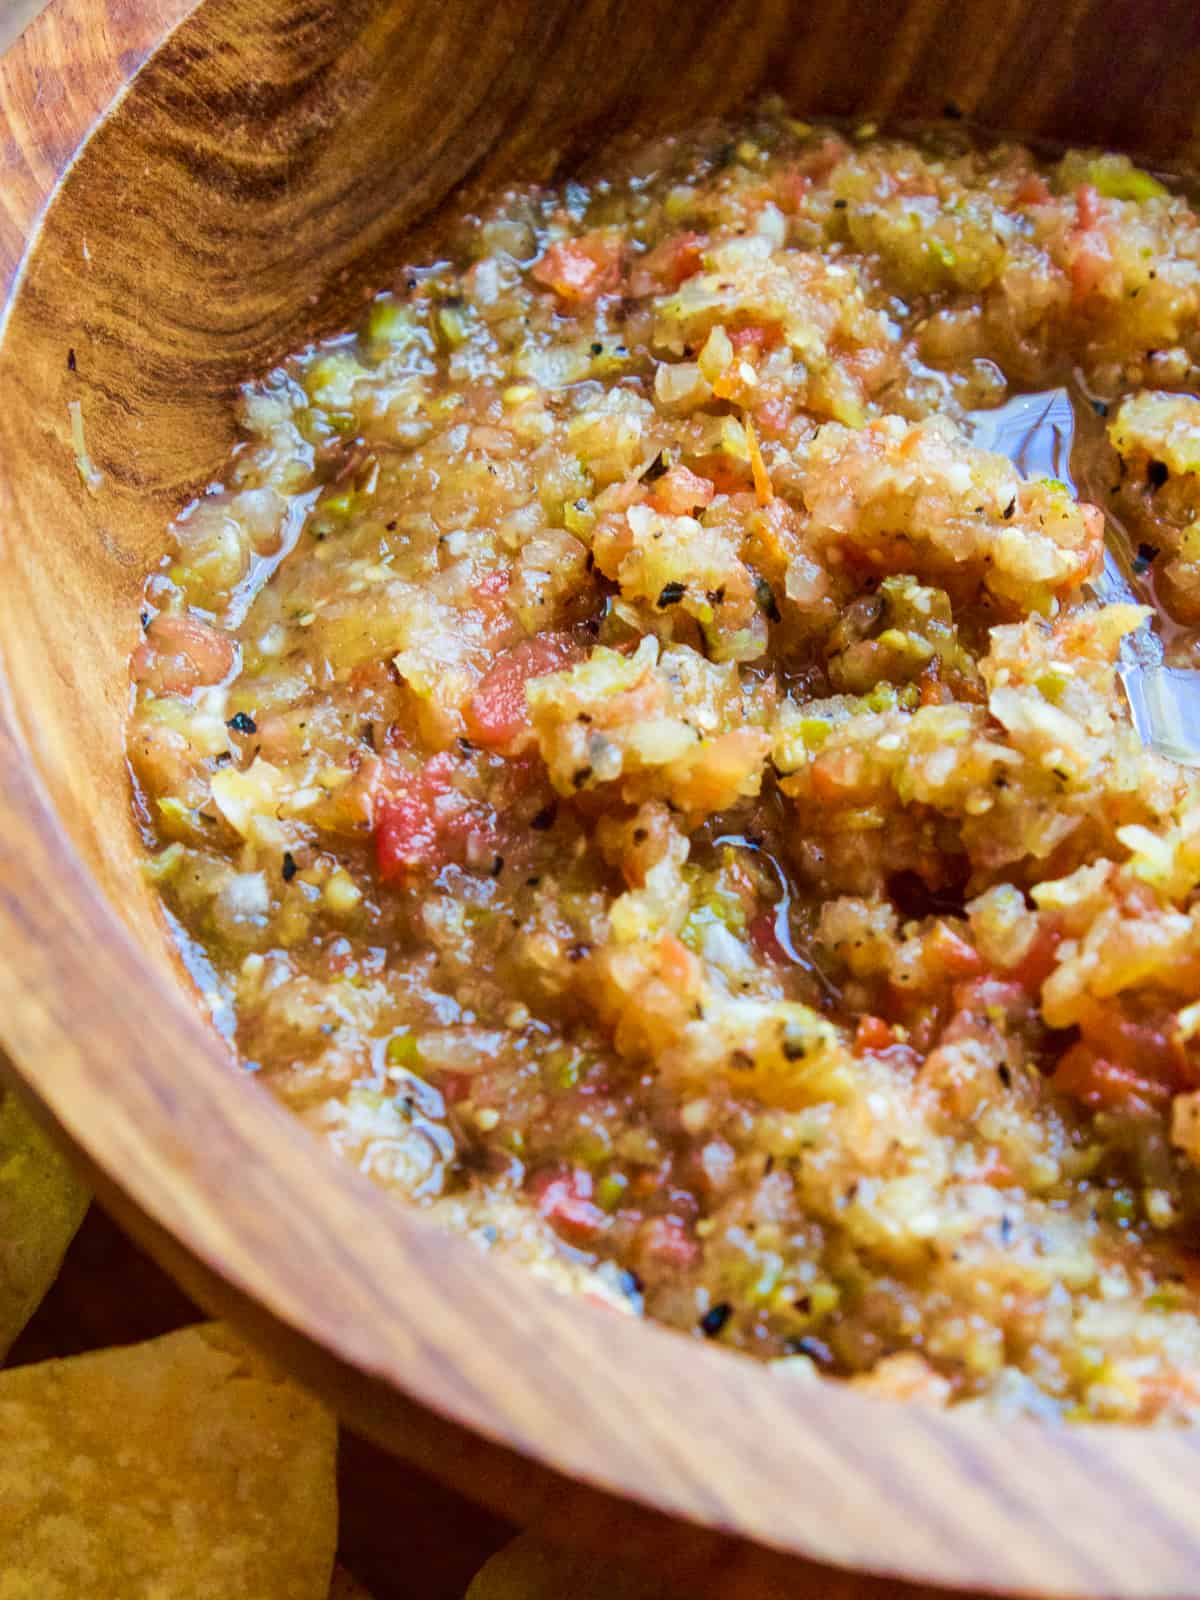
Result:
x=672 y=594
x=816 y=1350
x=767 y=603
x=544 y=818
x=241 y=723
x=289 y=866
x=715 y=1318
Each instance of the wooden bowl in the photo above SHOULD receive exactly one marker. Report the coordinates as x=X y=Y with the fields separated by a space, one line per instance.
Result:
x=246 y=189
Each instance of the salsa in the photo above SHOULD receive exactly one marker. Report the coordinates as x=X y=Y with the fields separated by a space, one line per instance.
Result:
x=635 y=774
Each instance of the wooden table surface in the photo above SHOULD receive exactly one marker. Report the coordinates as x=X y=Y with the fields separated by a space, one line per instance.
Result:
x=402 y=1535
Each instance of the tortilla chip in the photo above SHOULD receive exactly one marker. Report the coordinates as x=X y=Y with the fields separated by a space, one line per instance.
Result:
x=42 y=1202
x=531 y=1569
x=180 y=1469
x=344 y=1587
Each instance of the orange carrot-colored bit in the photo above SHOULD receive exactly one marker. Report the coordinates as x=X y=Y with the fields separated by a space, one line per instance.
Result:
x=763 y=487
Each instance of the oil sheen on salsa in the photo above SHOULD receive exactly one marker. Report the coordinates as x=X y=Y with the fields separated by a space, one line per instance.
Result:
x=669 y=749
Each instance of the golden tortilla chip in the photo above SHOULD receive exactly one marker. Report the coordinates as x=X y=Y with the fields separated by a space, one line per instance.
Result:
x=181 y=1469
x=42 y=1202
x=531 y=1569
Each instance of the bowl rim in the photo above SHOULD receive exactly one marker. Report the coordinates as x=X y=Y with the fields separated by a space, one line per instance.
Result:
x=202 y=1163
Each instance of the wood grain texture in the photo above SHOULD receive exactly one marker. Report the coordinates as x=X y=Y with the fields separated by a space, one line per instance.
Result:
x=53 y=88
x=15 y=17
x=250 y=187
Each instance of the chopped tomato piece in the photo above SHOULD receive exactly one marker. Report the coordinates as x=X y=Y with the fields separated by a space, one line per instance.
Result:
x=773 y=417
x=836 y=772
x=820 y=161
x=994 y=1169
x=423 y=821
x=493 y=587
x=1106 y=1085
x=955 y=956
x=791 y=189
x=1148 y=1046
x=726 y=475
x=1090 y=261
x=1039 y=961
x=1092 y=553
x=1089 y=249
x=991 y=994
x=677 y=964
x=581 y=270
x=496 y=713
x=455 y=1086
x=755 y=337
x=181 y=653
x=764 y=936
x=666 y=1243
x=680 y=491
x=1033 y=190
x=873 y=1033
x=373 y=674
x=405 y=836
x=406 y=819
x=565 y=1201
x=1088 y=209
x=933 y=691
x=668 y=265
